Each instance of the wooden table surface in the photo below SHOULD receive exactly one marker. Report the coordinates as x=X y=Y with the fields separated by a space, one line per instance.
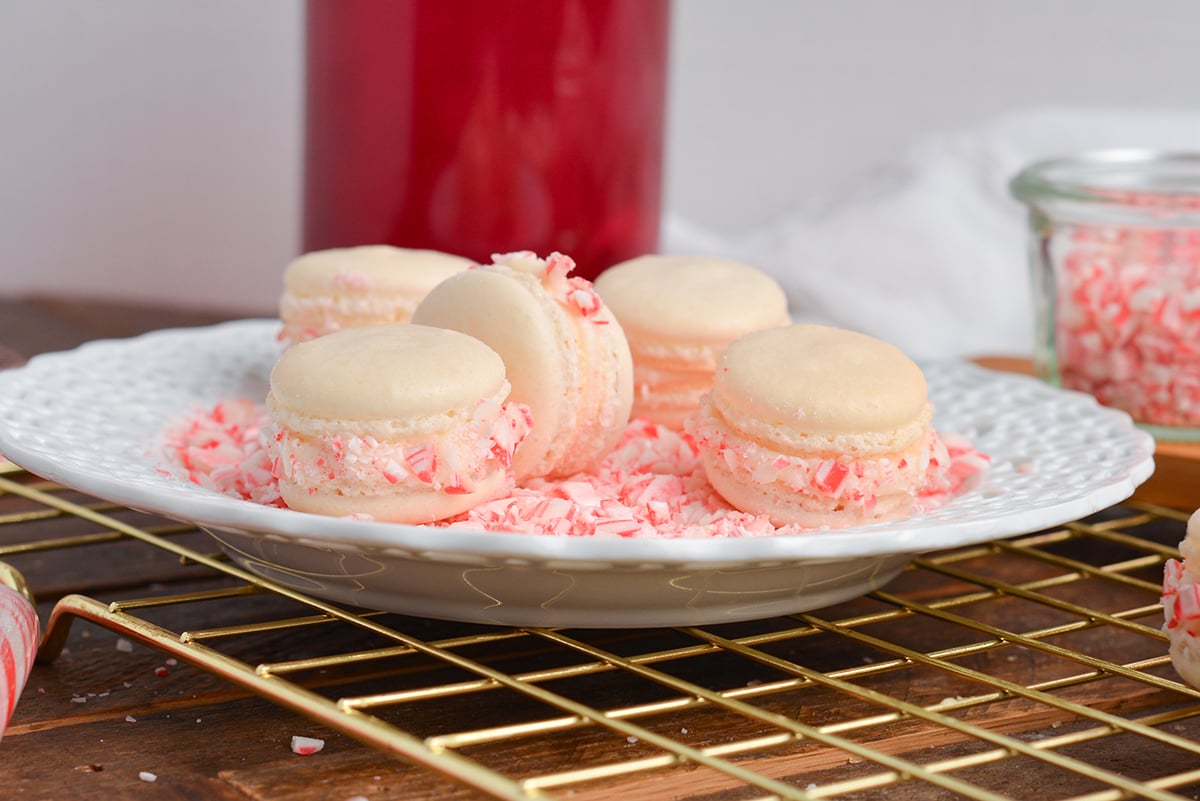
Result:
x=207 y=739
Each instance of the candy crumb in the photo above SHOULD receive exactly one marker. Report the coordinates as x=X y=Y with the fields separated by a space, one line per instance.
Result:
x=124 y=645
x=147 y=776
x=651 y=485
x=161 y=671
x=130 y=719
x=304 y=746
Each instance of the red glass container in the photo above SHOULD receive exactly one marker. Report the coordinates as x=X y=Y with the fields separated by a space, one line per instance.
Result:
x=476 y=127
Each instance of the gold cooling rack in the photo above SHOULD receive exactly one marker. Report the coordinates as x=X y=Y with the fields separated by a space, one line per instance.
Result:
x=1027 y=668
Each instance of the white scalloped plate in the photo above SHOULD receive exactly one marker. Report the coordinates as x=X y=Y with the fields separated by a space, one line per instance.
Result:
x=90 y=419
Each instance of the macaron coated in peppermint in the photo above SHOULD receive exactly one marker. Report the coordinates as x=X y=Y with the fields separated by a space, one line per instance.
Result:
x=397 y=422
x=817 y=427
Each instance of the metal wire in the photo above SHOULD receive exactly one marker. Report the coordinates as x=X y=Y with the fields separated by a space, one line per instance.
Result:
x=1034 y=655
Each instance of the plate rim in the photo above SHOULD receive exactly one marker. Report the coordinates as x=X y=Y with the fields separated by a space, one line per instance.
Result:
x=207 y=508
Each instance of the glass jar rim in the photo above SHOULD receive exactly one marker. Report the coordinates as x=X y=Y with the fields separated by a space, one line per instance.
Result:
x=1138 y=185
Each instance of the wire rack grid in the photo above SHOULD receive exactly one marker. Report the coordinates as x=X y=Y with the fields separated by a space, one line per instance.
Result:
x=1023 y=668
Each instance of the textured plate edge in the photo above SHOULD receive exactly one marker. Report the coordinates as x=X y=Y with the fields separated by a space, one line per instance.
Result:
x=214 y=510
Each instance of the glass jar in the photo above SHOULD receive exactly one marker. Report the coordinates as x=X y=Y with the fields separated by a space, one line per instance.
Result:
x=1114 y=249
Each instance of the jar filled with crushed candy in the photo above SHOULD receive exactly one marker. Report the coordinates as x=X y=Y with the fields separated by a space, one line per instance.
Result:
x=1114 y=248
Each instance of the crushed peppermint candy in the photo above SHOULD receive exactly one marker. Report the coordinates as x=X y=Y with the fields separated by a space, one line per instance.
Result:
x=573 y=292
x=223 y=449
x=1180 y=599
x=651 y=485
x=147 y=776
x=306 y=746
x=1127 y=319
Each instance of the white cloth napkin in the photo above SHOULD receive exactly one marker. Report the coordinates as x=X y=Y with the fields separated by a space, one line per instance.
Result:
x=928 y=251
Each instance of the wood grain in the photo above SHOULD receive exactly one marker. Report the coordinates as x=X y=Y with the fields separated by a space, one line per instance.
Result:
x=95 y=718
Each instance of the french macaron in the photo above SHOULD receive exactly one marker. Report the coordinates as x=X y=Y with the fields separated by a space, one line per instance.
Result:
x=1181 y=604
x=679 y=313
x=816 y=427
x=400 y=423
x=328 y=290
x=565 y=354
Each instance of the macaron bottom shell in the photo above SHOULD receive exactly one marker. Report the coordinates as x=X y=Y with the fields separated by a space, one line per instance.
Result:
x=411 y=505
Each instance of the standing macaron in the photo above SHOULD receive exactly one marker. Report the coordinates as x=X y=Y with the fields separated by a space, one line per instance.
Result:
x=565 y=354
x=679 y=313
x=399 y=422
x=328 y=290
x=816 y=426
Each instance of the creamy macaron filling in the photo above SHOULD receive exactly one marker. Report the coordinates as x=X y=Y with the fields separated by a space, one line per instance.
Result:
x=667 y=395
x=311 y=317
x=830 y=481
x=444 y=453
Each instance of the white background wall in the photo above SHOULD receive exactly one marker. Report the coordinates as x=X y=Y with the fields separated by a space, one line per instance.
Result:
x=149 y=149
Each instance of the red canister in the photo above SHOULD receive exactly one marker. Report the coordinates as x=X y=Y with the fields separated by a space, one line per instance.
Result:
x=476 y=127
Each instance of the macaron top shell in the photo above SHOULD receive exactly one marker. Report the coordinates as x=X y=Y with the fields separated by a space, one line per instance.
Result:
x=691 y=298
x=817 y=380
x=370 y=268
x=386 y=372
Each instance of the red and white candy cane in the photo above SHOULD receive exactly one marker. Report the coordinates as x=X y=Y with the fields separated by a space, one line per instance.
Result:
x=18 y=647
